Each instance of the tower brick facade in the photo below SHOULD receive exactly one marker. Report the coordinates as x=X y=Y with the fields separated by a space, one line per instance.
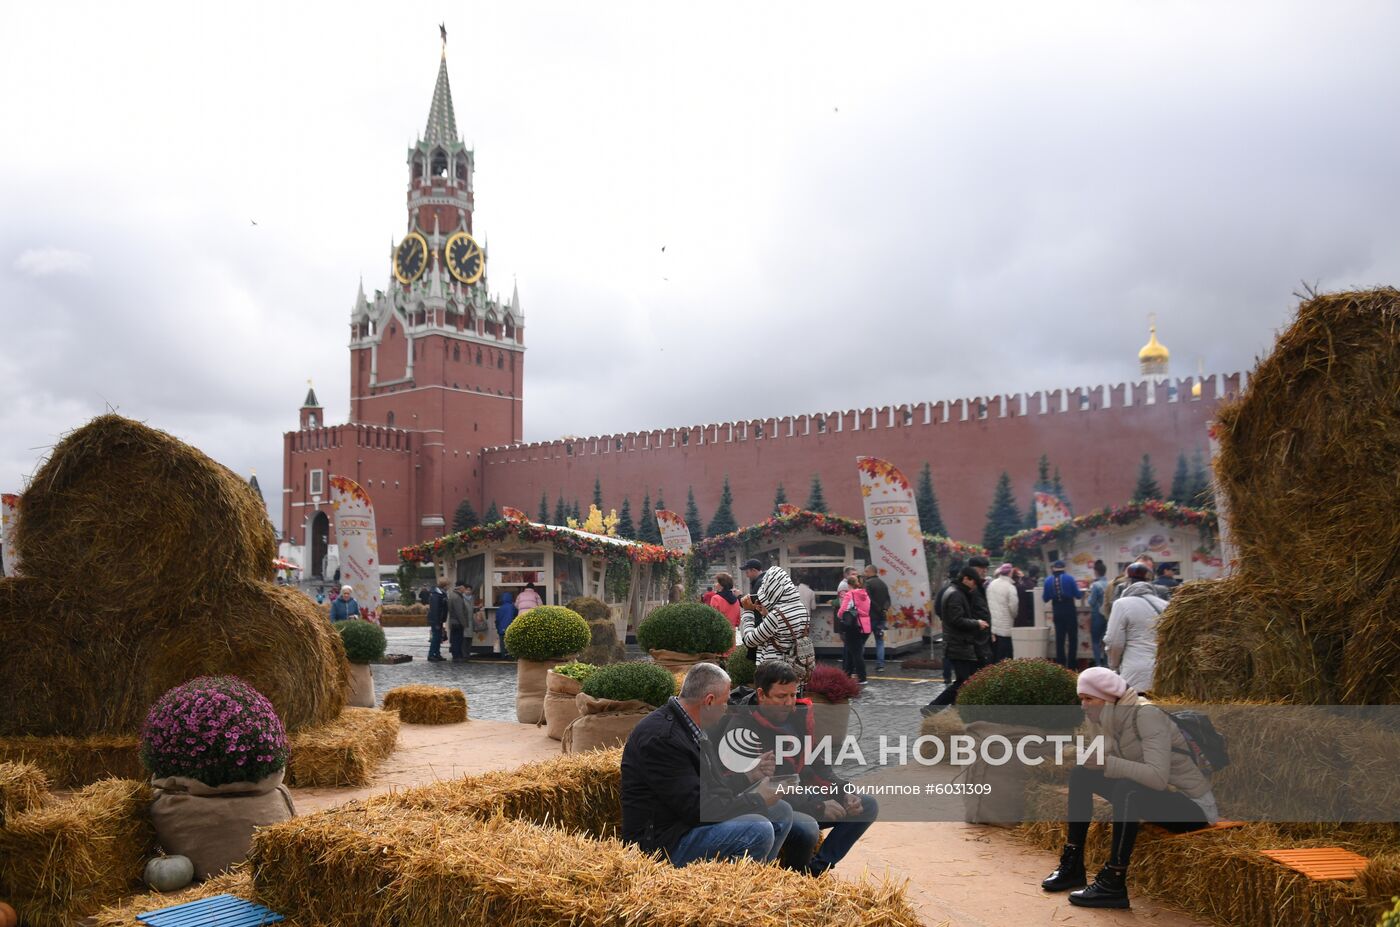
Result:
x=437 y=367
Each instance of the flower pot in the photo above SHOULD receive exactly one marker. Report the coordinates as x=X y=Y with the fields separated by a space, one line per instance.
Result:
x=213 y=824
x=1030 y=643
x=602 y=723
x=830 y=719
x=361 y=686
x=530 y=688
x=678 y=662
x=1003 y=803
x=560 y=705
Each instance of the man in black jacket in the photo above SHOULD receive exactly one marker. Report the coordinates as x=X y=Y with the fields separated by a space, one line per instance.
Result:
x=967 y=638
x=678 y=799
x=820 y=798
x=879 y=611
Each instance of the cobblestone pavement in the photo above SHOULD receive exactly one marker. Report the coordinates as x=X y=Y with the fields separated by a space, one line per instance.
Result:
x=889 y=704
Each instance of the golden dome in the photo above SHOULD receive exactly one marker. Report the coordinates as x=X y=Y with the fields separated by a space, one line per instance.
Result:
x=1154 y=350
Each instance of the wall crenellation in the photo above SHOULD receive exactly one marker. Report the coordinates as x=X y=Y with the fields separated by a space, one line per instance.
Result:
x=961 y=411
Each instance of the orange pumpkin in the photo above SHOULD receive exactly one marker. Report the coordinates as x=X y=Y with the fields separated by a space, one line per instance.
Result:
x=8 y=917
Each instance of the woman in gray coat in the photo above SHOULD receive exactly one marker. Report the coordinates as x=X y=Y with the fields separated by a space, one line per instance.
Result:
x=1147 y=774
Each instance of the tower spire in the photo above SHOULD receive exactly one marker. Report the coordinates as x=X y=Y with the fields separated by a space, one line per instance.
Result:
x=442 y=118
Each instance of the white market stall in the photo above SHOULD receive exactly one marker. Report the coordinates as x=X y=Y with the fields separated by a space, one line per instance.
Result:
x=563 y=563
x=814 y=548
x=1183 y=538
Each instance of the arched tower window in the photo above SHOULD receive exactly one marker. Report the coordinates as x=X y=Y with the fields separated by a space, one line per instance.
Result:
x=389 y=420
x=439 y=163
x=500 y=361
x=418 y=168
x=461 y=169
x=456 y=352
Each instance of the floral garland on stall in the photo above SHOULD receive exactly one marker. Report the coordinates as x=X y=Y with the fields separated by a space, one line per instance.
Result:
x=1170 y=513
x=531 y=533
x=837 y=525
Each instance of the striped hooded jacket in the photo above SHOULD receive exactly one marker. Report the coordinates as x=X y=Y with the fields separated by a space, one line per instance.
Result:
x=772 y=637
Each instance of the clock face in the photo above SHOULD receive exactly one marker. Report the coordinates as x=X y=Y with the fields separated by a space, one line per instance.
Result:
x=410 y=258
x=464 y=258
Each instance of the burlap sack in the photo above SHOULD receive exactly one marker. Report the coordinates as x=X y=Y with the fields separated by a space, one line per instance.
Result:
x=361 y=686
x=560 y=708
x=602 y=723
x=1005 y=802
x=831 y=720
x=530 y=687
x=213 y=825
x=678 y=662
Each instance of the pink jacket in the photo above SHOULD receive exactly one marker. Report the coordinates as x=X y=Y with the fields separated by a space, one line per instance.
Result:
x=862 y=600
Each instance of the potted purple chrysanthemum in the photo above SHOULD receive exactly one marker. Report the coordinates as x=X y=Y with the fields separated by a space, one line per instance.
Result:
x=216 y=751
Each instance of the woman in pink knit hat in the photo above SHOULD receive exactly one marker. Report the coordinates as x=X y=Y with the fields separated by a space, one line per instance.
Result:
x=1147 y=774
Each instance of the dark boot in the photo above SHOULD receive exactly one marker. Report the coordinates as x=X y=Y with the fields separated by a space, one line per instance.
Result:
x=1110 y=890
x=1070 y=873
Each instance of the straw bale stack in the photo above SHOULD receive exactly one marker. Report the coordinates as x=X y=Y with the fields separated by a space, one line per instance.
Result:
x=427 y=704
x=344 y=752
x=22 y=786
x=147 y=564
x=1307 y=463
x=123 y=511
x=95 y=666
x=427 y=868
x=1220 y=875
x=73 y=762
x=101 y=833
x=578 y=792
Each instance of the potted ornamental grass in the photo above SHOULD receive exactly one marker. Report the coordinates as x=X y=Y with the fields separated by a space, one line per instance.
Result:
x=682 y=634
x=1014 y=699
x=216 y=751
x=615 y=698
x=364 y=644
x=562 y=686
x=542 y=638
x=831 y=692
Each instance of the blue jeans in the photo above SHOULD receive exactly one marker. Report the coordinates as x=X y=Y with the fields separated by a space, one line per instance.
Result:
x=748 y=835
x=435 y=636
x=838 y=843
x=879 y=648
x=1098 y=626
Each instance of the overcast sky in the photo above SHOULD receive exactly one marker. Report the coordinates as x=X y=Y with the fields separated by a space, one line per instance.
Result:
x=860 y=204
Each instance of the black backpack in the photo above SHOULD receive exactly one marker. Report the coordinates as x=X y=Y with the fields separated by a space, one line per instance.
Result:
x=1206 y=745
x=942 y=597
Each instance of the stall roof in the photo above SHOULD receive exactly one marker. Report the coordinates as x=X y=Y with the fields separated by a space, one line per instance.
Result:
x=803 y=520
x=562 y=538
x=1168 y=512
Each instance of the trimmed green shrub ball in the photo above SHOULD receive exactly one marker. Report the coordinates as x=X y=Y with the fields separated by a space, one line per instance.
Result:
x=364 y=641
x=590 y=608
x=739 y=667
x=645 y=682
x=686 y=627
x=547 y=632
x=1003 y=691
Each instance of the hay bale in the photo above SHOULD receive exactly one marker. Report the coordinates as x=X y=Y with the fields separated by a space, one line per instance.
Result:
x=96 y=666
x=427 y=868
x=1307 y=463
x=68 y=858
x=22 y=786
x=427 y=704
x=581 y=793
x=345 y=752
x=73 y=762
x=141 y=517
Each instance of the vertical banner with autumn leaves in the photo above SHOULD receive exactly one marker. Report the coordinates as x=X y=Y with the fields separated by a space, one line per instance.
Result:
x=675 y=533
x=9 y=521
x=358 y=545
x=896 y=545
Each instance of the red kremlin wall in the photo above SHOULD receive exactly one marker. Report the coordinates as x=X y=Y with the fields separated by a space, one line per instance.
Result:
x=1096 y=436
